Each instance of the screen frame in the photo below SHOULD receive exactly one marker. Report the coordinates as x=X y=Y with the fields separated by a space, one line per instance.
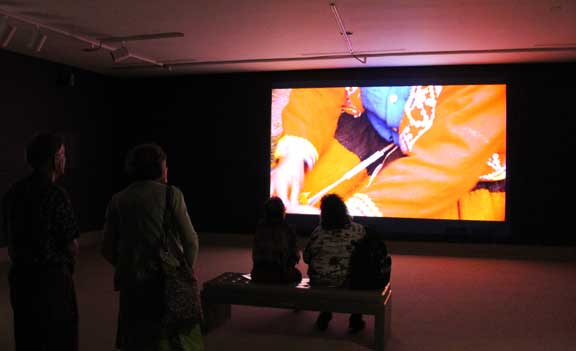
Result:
x=412 y=229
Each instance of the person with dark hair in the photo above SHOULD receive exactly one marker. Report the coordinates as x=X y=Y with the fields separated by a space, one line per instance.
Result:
x=329 y=250
x=145 y=162
x=135 y=243
x=274 y=251
x=42 y=234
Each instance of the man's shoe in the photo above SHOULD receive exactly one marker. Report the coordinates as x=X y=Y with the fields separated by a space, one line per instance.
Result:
x=323 y=320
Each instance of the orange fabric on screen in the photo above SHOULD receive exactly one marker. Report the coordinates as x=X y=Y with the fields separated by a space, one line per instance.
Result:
x=452 y=137
x=313 y=114
x=446 y=152
x=331 y=165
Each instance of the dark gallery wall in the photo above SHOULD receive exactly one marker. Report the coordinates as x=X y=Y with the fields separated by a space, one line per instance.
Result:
x=211 y=128
x=38 y=96
x=215 y=129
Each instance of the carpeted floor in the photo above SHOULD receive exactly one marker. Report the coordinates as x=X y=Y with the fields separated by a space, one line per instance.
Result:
x=441 y=303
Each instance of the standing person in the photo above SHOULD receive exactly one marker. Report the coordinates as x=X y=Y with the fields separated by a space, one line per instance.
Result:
x=42 y=235
x=134 y=240
x=274 y=251
x=329 y=250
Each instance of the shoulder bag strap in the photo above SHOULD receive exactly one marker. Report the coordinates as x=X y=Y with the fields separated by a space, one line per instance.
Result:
x=166 y=219
x=169 y=239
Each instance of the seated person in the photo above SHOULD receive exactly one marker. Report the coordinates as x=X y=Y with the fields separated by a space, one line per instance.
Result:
x=274 y=251
x=329 y=250
x=370 y=263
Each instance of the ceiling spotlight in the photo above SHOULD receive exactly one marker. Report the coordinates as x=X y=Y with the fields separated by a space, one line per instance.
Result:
x=37 y=40
x=6 y=33
x=120 y=54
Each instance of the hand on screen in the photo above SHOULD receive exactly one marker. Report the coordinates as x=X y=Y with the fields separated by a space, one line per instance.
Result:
x=286 y=179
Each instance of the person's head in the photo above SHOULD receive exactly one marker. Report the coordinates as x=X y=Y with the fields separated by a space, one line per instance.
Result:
x=146 y=162
x=46 y=153
x=333 y=212
x=274 y=211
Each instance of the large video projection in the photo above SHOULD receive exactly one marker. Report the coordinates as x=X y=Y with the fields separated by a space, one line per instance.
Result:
x=419 y=158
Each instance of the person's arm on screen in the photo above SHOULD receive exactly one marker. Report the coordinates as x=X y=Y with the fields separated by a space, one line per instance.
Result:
x=309 y=122
x=446 y=152
x=188 y=235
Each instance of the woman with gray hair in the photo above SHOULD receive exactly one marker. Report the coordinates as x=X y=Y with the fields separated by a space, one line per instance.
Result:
x=135 y=238
x=329 y=250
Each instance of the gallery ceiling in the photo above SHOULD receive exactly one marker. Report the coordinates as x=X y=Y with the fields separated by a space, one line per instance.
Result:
x=212 y=36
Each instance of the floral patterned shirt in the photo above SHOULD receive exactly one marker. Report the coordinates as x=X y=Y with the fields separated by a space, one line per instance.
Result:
x=328 y=253
x=39 y=222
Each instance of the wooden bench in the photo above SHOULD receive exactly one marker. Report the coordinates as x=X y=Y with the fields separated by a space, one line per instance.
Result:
x=237 y=289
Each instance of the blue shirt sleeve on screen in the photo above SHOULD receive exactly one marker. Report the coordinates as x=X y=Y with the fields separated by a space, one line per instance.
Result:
x=385 y=108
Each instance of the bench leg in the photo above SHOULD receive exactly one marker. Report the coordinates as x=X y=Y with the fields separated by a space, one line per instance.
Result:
x=383 y=325
x=388 y=318
x=380 y=331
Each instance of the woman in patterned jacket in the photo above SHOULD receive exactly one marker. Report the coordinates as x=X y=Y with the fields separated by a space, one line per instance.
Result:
x=328 y=252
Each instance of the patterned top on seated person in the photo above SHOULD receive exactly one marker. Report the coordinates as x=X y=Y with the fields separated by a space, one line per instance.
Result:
x=330 y=246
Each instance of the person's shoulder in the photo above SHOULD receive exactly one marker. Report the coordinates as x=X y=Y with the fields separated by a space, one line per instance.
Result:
x=318 y=230
x=358 y=227
x=176 y=191
x=59 y=192
x=120 y=195
x=115 y=196
x=178 y=198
